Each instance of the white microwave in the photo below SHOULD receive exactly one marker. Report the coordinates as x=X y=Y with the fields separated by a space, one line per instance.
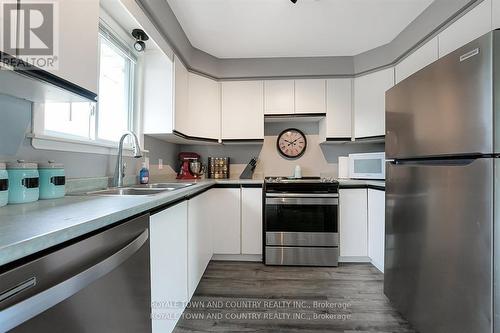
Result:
x=367 y=166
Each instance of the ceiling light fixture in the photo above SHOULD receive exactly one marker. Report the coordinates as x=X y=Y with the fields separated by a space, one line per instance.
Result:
x=294 y=1
x=140 y=36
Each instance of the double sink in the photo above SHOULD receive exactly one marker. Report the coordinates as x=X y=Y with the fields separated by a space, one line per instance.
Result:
x=150 y=189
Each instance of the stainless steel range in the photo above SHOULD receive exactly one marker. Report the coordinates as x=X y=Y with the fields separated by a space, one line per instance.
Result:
x=301 y=222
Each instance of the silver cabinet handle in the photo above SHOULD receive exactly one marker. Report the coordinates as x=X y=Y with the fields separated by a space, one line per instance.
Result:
x=29 y=308
x=302 y=201
x=17 y=289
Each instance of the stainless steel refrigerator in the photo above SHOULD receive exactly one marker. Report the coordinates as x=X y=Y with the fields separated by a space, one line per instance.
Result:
x=442 y=238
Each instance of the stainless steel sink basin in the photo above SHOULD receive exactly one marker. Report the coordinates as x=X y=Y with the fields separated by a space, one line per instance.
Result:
x=127 y=191
x=149 y=189
x=166 y=186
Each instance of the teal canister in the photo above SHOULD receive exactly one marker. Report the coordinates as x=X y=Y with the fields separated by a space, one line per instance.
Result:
x=4 y=185
x=23 y=182
x=52 y=180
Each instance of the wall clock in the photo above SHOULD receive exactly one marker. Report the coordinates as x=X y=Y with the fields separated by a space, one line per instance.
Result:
x=291 y=143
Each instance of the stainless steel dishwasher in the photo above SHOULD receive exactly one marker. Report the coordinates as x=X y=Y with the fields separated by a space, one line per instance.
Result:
x=100 y=283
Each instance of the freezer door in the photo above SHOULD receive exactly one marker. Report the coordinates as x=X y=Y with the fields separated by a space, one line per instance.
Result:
x=446 y=108
x=438 y=253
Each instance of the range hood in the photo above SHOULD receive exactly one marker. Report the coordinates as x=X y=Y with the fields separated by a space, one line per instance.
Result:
x=39 y=86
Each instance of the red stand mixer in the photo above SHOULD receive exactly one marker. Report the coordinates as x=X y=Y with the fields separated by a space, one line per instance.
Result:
x=190 y=166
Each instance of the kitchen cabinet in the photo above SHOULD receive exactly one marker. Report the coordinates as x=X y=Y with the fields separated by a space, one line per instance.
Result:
x=338 y=120
x=158 y=92
x=203 y=107
x=472 y=25
x=242 y=110
x=226 y=220
x=199 y=244
x=279 y=97
x=310 y=96
x=168 y=246
x=78 y=57
x=369 y=103
x=376 y=227
x=251 y=220
x=181 y=95
x=353 y=228
x=496 y=14
x=423 y=56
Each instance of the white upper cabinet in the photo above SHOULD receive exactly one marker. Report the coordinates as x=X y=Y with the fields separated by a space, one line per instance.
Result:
x=496 y=14
x=472 y=25
x=203 y=107
x=338 y=108
x=353 y=227
x=251 y=220
x=369 y=103
x=78 y=58
x=423 y=56
x=158 y=92
x=181 y=94
x=226 y=220
x=242 y=110
x=310 y=96
x=279 y=97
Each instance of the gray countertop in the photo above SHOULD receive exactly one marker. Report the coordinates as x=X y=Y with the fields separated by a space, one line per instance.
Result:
x=29 y=228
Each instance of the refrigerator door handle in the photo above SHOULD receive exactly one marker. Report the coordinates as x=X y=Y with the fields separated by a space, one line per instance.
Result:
x=447 y=162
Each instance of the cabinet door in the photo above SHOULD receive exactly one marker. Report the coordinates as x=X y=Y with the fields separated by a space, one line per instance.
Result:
x=376 y=228
x=369 y=103
x=243 y=110
x=181 y=86
x=279 y=97
x=157 y=92
x=425 y=55
x=78 y=56
x=353 y=223
x=199 y=240
x=472 y=25
x=339 y=108
x=310 y=96
x=168 y=244
x=225 y=212
x=496 y=14
x=251 y=220
x=204 y=107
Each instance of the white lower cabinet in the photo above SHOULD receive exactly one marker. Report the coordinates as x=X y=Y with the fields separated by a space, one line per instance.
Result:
x=376 y=227
x=199 y=244
x=251 y=220
x=168 y=246
x=353 y=227
x=226 y=220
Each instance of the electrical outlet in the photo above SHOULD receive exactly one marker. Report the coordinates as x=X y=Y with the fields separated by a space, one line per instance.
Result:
x=160 y=164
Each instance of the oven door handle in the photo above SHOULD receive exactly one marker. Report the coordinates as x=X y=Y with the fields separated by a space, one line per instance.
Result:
x=283 y=201
x=302 y=195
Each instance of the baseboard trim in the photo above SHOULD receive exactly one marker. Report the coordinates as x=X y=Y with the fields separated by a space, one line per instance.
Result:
x=347 y=259
x=238 y=257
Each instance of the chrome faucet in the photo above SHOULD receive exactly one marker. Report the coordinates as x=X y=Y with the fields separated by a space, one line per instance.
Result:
x=120 y=166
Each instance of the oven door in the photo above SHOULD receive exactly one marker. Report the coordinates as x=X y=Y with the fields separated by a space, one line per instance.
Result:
x=301 y=219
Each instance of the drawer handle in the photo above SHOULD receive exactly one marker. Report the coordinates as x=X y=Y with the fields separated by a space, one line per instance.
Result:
x=17 y=289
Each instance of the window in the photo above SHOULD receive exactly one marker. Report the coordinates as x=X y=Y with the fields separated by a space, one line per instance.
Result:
x=105 y=122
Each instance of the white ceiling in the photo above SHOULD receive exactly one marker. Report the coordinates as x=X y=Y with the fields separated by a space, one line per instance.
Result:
x=277 y=28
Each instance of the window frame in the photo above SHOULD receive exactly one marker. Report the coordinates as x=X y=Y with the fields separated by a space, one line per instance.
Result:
x=46 y=139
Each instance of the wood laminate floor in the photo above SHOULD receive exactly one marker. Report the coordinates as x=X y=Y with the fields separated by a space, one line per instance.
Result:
x=252 y=297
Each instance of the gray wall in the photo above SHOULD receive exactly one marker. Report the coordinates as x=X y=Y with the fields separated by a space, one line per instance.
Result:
x=432 y=20
x=160 y=149
x=16 y=123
